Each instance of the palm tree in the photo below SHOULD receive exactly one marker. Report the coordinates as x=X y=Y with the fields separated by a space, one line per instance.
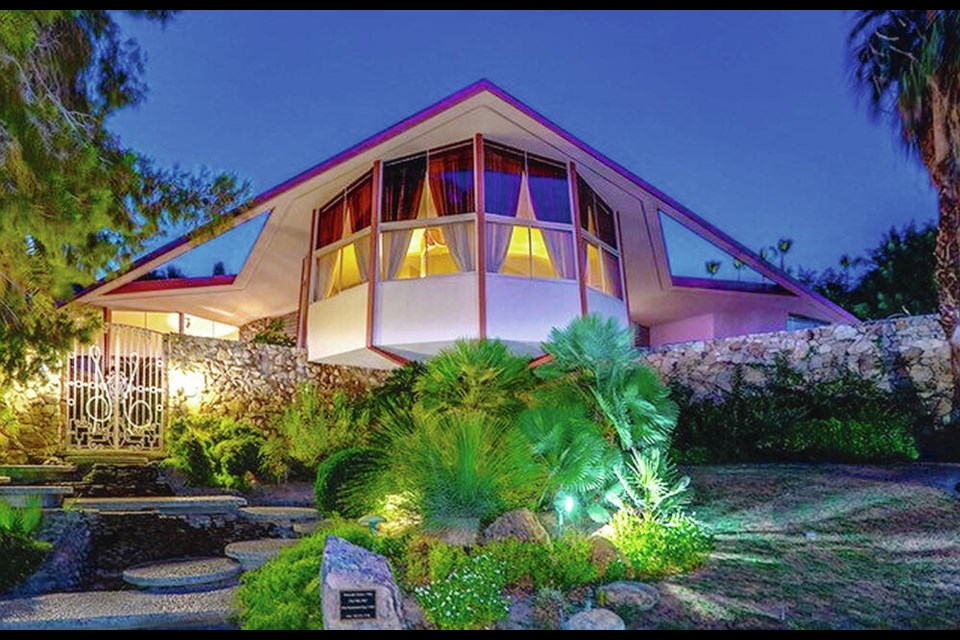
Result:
x=783 y=247
x=712 y=267
x=907 y=63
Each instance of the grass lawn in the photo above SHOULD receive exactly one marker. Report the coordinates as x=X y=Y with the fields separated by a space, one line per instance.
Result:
x=828 y=546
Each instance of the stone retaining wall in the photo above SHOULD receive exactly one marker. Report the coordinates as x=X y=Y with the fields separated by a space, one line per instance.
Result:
x=890 y=351
x=251 y=380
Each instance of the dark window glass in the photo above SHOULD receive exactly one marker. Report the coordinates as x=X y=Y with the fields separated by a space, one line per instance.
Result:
x=548 y=191
x=451 y=180
x=501 y=180
x=606 y=225
x=330 y=223
x=586 y=202
x=403 y=183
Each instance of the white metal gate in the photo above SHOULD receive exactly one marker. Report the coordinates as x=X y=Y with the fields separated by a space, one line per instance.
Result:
x=115 y=391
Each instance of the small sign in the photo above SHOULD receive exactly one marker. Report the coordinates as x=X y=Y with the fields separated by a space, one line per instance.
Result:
x=358 y=605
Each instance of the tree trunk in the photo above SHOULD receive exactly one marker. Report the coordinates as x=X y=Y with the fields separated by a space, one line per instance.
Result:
x=948 y=282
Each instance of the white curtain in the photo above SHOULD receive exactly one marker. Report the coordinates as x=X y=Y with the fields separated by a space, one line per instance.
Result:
x=326 y=265
x=395 y=244
x=560 y=249
x=459 y=240
x=362 y=249
x=498 y=241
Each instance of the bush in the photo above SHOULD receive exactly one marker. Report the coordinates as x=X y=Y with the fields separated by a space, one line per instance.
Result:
x=20 y=554
x=337 y=480
x=274 y=333
x=20 y=557
x=215 y=451
x=836 y=440
x=456 y=465
x=478 y=375
x=470 y=597
x=781 y=420
x=312 y=427
x=285 y=592
x=657 y=549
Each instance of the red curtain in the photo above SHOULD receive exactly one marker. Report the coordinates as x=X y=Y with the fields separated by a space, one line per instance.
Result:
x=451 y=180
x=360 y=204
x=331 y=223
x=403 y=187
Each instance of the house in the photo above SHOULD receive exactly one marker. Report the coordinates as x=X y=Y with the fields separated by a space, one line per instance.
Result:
x=476 y=217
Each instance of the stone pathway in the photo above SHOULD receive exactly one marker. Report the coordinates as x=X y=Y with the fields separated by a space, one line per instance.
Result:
x=183 y=574
x=251 y=554
x=194 y=505
x=118 y=610
x=280 y=514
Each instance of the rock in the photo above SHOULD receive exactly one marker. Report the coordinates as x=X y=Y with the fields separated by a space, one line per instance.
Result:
x=520 y=615
x=413 y=614
x=519 y=524
x=595 y=620
x=463 y=532
x=347 y=567
x=627 y=594
x=603 y=553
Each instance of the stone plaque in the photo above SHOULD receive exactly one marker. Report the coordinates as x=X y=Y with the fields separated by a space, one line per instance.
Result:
x=358 y=605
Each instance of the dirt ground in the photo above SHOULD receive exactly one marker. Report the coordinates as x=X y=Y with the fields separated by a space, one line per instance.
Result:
x=822 y=547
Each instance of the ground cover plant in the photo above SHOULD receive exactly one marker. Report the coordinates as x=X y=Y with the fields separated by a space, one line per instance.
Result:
x=20 y=554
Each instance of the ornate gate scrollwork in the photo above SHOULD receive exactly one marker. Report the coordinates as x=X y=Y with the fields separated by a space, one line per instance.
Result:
x=116 y=391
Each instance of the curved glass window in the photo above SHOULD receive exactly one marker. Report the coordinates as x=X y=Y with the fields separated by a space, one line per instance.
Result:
x=342 y=243
x=428 y=214
x=601 y=257
x=530 y=252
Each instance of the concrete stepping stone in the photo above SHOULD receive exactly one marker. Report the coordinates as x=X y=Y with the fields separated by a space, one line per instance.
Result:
x=183 y=574
x=254 y=553
x=280 y=514
x=49 y=496
x=307 y=528
x=118 y=610
x=191 y=505
x=4 y=480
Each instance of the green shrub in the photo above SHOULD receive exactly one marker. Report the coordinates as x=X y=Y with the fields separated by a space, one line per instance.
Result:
x=313 y=426
x=456 y=465
x=836 y=440
x=427 y=559
x=477 y=375
x=657 y=549
x=20 y=557
x=20 y=554
x=337 y=481
x=564 y=564
x=285 y=592
x=471 y=597
x=769 y=422
x=274 y=333
x=215 y=451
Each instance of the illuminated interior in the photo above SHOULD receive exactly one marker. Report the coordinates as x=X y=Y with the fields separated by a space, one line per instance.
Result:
x=169 y=322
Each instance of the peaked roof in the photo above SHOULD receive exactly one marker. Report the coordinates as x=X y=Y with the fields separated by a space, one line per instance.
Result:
x=691 y=219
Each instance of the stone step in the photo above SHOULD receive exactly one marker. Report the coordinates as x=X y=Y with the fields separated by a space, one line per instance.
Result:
x=307 y=528
x=49 y=496
x=118 y=610
x=183 y=574
x=4 y=480
x=118 y=459
x=280 y=514
x=37 y=473
x=191 y=505
x=254 y=553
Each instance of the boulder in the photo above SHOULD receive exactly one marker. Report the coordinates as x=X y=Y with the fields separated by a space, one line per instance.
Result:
x=519 y=524
x=462 y=532
x=603 y=553
x=628 y=594
x=595 y=620
x=348 y=573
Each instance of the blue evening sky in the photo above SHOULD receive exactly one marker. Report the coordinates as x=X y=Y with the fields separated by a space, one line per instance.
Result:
x=746 y=117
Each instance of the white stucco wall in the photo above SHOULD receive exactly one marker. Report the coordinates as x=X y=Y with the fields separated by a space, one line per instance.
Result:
x=441 y=308
x=338 y=324
x=524 y=309
x=607 y=306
